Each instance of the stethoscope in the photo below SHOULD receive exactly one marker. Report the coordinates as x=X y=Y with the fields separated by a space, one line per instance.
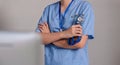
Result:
x=78 y=19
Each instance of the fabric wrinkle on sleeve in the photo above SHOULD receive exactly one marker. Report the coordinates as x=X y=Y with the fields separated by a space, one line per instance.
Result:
x=88 y=25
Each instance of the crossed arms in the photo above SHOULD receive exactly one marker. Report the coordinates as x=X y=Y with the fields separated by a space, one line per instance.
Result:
x=60 y=38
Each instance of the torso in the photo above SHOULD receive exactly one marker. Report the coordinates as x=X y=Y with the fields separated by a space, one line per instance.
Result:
x=59 y=56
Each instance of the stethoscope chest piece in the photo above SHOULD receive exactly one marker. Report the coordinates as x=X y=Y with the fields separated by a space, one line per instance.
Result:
x=78 y=19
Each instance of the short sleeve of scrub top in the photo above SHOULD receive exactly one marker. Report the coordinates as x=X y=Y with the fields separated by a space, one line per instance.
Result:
x=88 y=25
x=44 y=18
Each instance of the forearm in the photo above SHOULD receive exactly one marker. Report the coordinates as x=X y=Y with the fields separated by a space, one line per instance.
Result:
x=64 y=44
x=48 y=38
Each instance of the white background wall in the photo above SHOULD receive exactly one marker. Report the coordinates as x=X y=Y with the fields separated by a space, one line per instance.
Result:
x=105 y=49
x=23 y=15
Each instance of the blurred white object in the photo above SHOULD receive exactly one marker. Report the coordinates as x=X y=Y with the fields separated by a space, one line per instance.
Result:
x=21 y=49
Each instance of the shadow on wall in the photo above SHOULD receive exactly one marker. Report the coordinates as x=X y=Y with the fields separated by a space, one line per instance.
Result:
x=117 y=58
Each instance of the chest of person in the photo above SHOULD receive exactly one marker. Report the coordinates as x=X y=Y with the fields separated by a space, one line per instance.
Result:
x=67 y=22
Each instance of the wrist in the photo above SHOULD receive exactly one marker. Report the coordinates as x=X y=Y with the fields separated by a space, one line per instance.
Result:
x=65 y=34
x=62 y=34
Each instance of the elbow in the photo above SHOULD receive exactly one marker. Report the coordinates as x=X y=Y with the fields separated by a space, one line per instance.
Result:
x=79 y=46
x=44 y=42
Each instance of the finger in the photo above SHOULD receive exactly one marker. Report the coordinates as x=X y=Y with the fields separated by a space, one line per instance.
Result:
x=41 y=29
x=40 y=25
x=78 y=35
x=46 y=24
x=43 y=25
x=77 y=26
x=78 y=29
x=78 y=32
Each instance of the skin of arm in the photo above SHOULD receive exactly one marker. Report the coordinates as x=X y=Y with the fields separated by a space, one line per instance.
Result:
x=64 y=44
x=59 y=39
x=48 y=37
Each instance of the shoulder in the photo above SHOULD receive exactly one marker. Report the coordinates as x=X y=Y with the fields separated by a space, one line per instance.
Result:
x=86 y=4
x=52 y=6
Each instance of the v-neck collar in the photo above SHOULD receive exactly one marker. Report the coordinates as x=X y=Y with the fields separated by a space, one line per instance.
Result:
x=66 y=10
x=74 y=4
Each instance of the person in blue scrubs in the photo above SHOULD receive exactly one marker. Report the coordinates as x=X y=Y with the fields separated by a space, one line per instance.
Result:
x=56 y=27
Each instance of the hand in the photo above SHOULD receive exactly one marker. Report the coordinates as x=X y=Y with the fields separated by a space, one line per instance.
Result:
x=75 y=30
x=44 y=28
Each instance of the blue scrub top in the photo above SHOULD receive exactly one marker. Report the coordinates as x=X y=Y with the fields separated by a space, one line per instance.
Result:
x=59 y=56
